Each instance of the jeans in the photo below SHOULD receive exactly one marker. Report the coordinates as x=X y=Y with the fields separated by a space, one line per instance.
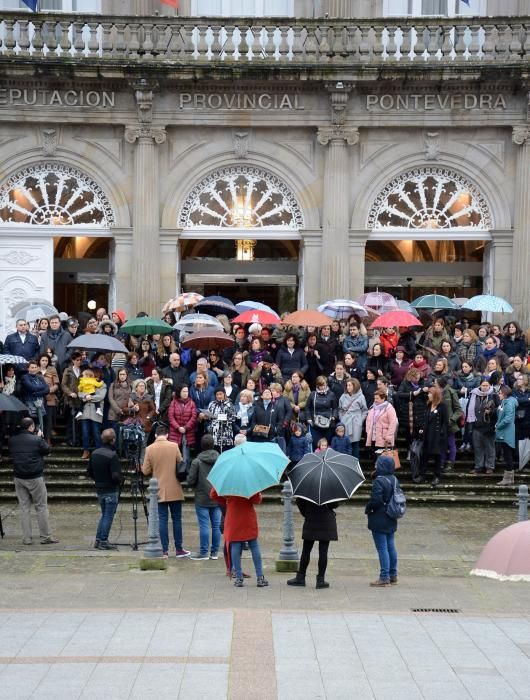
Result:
x=386 y=549
x=175 y=507
x=108 y=502
x=32 y=491
x=235 y=553
x=88 y=428
x=206 y=516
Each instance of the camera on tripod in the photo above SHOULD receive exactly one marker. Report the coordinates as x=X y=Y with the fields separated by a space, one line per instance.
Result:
x=132 y=437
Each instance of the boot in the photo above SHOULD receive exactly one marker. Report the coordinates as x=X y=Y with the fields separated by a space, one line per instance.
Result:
x=298 y=580
x=85 y=455
x=321 y=583
x=507 y=479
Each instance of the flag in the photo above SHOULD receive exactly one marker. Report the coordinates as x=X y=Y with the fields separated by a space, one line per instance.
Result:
x=32 y=4
x=171 y=3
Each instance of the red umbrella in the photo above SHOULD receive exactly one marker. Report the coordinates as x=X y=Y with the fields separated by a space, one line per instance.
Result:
x=208 y=340
x=396 y=318
x=265 y=318
x=307 y=317
x=506 y=557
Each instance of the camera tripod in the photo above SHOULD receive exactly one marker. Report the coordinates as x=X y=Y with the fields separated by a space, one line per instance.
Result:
x=134 y=473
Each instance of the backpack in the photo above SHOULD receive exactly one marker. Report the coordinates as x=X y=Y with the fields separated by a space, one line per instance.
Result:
x=396 y=507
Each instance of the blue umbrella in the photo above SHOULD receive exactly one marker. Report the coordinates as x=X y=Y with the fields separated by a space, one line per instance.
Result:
x=251 y=305
x=488 y=302
x=215 y=305
x=433 y=301
x=247 y=469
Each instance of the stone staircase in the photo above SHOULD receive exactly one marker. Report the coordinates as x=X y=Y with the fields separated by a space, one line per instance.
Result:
x=66 y=480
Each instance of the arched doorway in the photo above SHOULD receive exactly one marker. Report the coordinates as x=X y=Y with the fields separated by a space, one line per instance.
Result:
x=429 y=228
x=241 y=237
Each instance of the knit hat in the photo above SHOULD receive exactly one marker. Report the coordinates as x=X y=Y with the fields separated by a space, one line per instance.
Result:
x=220 y=387
x=400 y=348
x=267 y=357
x=120 y=314
x=385 y=464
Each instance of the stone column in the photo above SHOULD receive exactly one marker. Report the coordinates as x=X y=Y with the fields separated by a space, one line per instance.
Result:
x=520 y=293
x=497 y=271
x=335 y=263
x=170 y=283
x=357 y=254
x=309 y=270
x=145 y=271
x=123 y=264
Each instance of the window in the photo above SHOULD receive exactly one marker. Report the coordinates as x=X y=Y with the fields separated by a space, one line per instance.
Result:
x=242 y=8
x=83 y=6
x=433 y=8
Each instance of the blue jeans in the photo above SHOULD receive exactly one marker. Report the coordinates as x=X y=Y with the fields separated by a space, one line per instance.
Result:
x=384 y=543
x=108 y=502
x=90 y=427
x=175 y=507
x=235 y=554
x=206 y=516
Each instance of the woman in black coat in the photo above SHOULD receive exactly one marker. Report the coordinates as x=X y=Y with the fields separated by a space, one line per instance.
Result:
x=291 y=358
x=265 y=419
x=411 y=405
x=322 y=411
x=383 y=527
x=434 y=434
x=320 y=524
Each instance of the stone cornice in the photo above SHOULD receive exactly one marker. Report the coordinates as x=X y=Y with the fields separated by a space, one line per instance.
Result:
x=350 y=134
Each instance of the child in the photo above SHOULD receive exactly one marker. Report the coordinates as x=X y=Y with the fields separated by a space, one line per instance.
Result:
x=340 y=442
x=88 y=385
x=298 y=445
x=322 y=445
x=240 y=526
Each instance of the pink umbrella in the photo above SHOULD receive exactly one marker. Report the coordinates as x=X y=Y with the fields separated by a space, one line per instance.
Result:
x=506 y=557
x=376 y=300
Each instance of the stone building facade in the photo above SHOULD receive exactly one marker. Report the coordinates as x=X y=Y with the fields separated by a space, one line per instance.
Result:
x=309 y=155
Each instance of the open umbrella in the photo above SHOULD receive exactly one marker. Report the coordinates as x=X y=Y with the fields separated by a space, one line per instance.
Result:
x=98 y=342
x=21 y=308
x=488 y=302
x=215 y=305
x=326 y=477
x=265 y=318
x=506 y=555
x=246 y=305
x=306 y=317
x=10 y=360
x=145 y=325
x=184 y=301
x=190 y=323
x=247 y=469
x=524 y=453
x=396 y=318
x=208 y=340
x=433 y=301
x=342 y=308
x=11 y=404
x=33 y=313
x=377 y=300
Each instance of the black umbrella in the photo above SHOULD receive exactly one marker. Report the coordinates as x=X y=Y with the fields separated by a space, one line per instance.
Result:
x=326 y=477
x=11 y=404
x=215 y=305
x=99 y=342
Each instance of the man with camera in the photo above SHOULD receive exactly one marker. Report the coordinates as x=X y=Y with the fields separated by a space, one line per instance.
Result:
x=27 y=450
x=104 y=468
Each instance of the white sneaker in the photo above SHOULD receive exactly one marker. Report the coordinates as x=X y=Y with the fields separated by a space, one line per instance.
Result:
x=99 y=411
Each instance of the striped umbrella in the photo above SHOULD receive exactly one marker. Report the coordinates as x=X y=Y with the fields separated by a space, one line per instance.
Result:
x=342 y=308
x=184 y=301
x=488 y=302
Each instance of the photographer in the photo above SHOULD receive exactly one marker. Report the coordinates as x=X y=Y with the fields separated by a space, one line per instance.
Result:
x=104 y=468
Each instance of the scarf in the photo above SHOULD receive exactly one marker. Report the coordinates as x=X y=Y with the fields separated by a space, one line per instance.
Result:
x=471 y=416
x=488 y=354
x=296 y=392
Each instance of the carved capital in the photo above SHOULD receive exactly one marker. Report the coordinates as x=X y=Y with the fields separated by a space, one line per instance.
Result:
x=520 y=135
x=156 y=133
x=350 y=134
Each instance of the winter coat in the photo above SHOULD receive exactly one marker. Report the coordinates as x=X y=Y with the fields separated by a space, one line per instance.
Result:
x=499 y=355
x=34 y=386
x=27 y=452
x=290 y=362
x=522 y=414
x=470 y=353
x=198 y=477
x=411 y=408
x=397 y=371
x=317 y=366
x=29 y=349
x=322 y=404
x=377 y=364
x=58 y=342
x=160 y=460
x=435 y=430
x=330 y=356
x=52 y=380
x=378 y=520
x=352 y=413
x=466 y=381
x=182 y=414
x=505 y=426
x=434 y=340
x=147 y=411
x=166 y=396
x=408 y=341
x=297 y=448
x=222 y=431
x=134 y=372
x=513 y=346
x=69 y=385
x=119 y=395
x=303 y=395
x=243 y=416
x=338 y=386
x=241 y=521
x=358 y=345
x=203 y=398
x=385 y=427
x=453 y=361
x=433 y=376
x=341 y=444
x=454 y=410
x=389 y=342
x=369 y=387
x=269 y=416
x=148 y=364
x=320 y=522
x=179 y=376
x=88 y=408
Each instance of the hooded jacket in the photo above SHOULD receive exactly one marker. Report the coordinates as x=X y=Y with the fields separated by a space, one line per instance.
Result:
x=382 y=487
x=198 y=478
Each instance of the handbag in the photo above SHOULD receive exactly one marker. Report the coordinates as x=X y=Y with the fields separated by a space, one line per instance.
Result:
x=319 y=421
x=183 y=466
x=392 y=452
x=261 y=430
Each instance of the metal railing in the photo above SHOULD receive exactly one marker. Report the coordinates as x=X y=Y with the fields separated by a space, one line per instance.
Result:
x=280 y=41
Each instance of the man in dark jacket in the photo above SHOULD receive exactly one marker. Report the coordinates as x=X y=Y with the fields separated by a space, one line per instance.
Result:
x=104 y=468
x=27 y=451
x=57 y=339
x=34 y=389
x=22 y=342
x=176 y=372
x=208 y=511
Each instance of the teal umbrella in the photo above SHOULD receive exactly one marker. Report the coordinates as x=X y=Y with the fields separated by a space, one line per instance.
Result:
x=433 y=301
x=488 y=302
x=145 y=325
x=248 y=468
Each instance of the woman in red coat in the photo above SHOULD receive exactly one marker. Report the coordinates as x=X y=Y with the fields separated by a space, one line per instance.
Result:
x=241 y=525
x=182 y=416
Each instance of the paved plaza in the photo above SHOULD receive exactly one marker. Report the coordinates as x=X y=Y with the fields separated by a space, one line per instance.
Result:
x=77 y=623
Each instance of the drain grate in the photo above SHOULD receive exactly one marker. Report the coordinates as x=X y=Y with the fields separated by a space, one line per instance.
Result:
x=436 y=610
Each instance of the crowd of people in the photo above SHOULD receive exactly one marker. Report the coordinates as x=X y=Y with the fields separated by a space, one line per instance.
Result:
x=448 y=389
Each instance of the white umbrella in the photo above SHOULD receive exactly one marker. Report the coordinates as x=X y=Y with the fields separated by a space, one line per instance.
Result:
x=488 y=302
x=524 y=453
x=34 y=313
x=21 y=308
x=342 y=308
x=198 y=322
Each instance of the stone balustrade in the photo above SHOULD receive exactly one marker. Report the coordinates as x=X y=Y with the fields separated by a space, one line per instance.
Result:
x=161 y=40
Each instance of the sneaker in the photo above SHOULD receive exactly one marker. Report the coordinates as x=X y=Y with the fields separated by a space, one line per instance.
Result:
x=197 y=556
x=79 y=415
x=107 y=546
x=27 y=542
x=49 y=540
x=99 y=412
x=96 y=544
x=214 y=555
x=262 y=582
x=238 y=583
x=181 y=553
x=165 y=555
x=380 y=583
x=393 y=580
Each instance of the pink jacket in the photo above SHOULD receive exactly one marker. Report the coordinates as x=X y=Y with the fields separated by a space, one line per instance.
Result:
x=385 y=427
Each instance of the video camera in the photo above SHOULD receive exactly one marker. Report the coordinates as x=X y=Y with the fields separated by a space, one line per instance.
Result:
x=132 y=437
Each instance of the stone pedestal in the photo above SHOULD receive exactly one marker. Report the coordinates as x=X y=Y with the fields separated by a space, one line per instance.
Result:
x=520 y=291
x=335 y=270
